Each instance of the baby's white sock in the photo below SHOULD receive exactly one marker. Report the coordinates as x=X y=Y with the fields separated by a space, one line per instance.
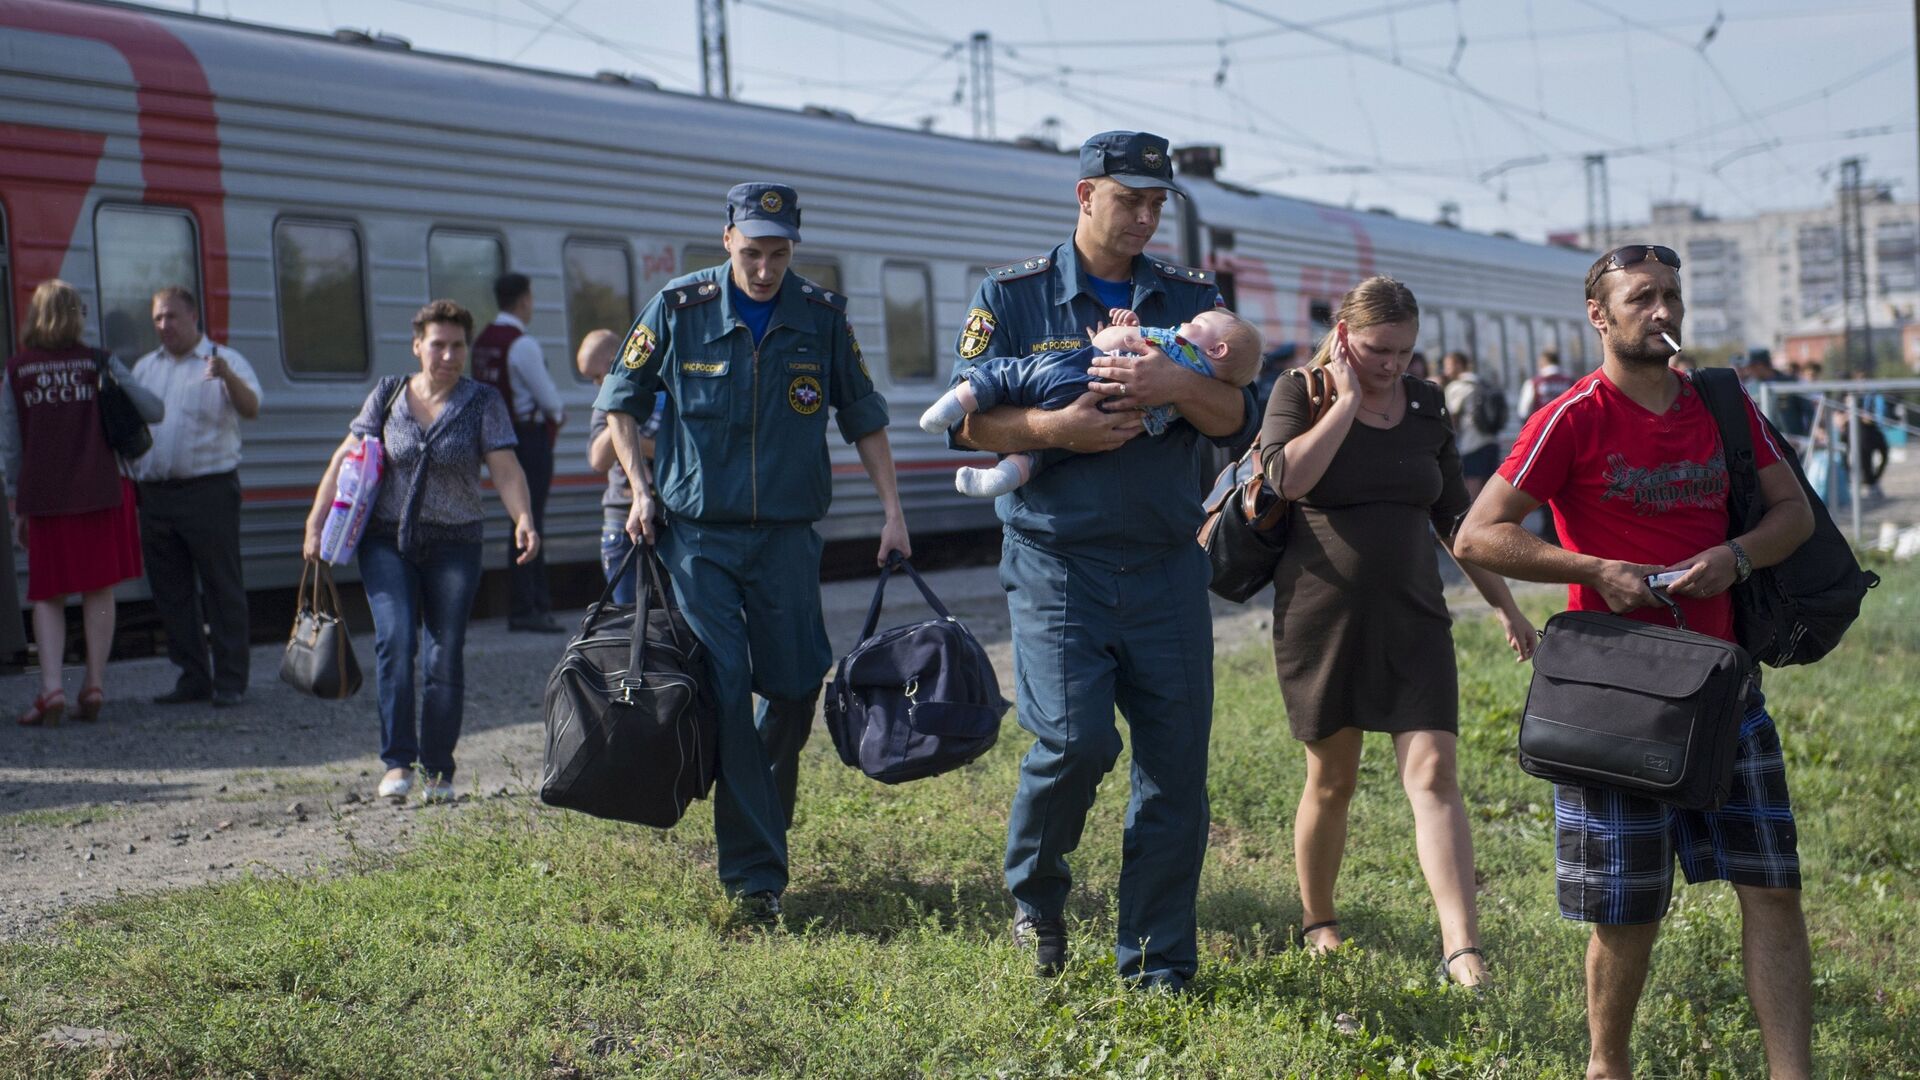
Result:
x=945 y=413
x=988 y=483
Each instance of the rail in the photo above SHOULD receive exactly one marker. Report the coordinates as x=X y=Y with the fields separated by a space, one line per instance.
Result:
x=1839 y=402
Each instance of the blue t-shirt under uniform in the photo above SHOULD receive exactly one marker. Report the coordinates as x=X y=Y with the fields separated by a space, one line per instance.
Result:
x=757 y=314
x=1111 y=294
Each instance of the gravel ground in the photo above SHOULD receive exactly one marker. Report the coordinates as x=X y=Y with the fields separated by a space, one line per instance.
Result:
x=157 y=797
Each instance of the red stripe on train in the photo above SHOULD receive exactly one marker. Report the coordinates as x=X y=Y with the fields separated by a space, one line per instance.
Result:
x=179 y=134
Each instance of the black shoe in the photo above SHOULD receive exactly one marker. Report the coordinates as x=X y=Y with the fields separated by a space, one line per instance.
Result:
x=181 y=695
x=226 y=699
x=761 y=909
x=1047 y=938
x=542 y=624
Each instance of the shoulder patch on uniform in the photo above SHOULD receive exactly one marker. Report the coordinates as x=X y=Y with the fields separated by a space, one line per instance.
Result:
x=685 y=296
x=1182 y=273
x=1014 y=271
x=820 y=294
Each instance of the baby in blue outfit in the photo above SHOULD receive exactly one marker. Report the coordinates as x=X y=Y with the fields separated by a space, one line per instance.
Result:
x=1216 y=343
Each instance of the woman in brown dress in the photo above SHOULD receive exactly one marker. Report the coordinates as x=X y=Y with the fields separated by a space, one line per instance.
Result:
x=1362 y=638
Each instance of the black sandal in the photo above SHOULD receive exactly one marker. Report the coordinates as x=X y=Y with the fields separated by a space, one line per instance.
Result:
x=1446 y=968
x=1300 y=935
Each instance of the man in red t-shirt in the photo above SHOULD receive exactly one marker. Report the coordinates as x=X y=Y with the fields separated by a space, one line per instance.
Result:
x=1630 y=463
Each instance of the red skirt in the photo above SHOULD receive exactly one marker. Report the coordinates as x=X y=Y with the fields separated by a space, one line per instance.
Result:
x=80 y=553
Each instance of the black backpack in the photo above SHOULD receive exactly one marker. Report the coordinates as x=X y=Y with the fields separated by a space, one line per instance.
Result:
x=916 y=700
x=1489 y=409
x=1797 y=611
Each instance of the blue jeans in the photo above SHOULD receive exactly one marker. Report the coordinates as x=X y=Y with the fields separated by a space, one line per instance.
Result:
x=431 y=590
x=614 y=545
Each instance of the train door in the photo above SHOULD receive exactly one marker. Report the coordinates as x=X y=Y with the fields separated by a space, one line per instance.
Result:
x=599 y=282
x=139 y=250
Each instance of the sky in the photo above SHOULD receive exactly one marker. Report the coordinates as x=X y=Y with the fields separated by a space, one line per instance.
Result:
x=1493 y=105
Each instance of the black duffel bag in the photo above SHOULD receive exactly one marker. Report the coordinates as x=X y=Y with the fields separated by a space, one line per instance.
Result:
x=631 y=724
x=1650 y=710
x=916 y=700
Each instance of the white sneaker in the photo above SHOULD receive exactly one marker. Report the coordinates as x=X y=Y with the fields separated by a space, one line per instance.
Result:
x=437 y=791
x=396 y=787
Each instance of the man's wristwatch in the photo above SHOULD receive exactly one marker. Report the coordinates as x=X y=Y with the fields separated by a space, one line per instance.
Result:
x=1742 y=566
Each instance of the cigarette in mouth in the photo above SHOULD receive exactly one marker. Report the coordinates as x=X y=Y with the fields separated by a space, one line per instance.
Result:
x=1671 y=344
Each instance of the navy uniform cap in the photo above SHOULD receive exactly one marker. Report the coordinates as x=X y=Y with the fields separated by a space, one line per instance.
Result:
x=764 y=210
x=1135 y=158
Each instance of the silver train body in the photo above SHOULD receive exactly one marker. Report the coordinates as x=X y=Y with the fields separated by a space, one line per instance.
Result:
x=316 y=191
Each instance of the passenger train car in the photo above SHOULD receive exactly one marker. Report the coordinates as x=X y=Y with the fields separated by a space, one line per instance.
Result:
x=314 y=191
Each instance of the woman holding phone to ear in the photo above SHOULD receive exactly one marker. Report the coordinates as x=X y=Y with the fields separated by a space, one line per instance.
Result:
x=1362 y=638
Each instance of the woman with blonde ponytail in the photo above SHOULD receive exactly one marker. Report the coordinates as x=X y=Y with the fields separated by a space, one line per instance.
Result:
x=1362 y=638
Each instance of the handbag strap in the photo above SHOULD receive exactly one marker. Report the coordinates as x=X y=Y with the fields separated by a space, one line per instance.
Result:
x=303 y=597
x=895 y=561
x=323 y=575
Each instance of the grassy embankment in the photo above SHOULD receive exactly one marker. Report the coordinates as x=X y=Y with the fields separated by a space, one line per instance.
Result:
x=533 y=943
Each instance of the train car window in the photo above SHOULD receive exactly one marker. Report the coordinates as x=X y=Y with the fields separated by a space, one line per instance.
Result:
x=461 y=267
x=1467 y=337
x=137 y=252
x=6 y=290
x=1433 y=337
x=321 y=280
x=1520 y=350
x=1491 y=337
x=815 y=269
x=1576 y=340
x=907 y=292
x=599 y=291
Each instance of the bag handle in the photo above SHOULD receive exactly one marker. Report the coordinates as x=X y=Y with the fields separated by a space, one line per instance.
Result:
x=1679 y=620
x=896 y=561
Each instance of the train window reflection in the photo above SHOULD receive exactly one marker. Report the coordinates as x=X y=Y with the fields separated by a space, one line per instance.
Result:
x=599 y=290
x=908 y=295
x=817 y=270
x=138 y=251
x=461 y=267
x=321 y=283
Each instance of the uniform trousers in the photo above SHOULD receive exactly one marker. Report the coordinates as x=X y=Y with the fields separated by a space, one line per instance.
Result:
x=1088 y=637
x=190 y=541
x=752 y=595
x=530 y=600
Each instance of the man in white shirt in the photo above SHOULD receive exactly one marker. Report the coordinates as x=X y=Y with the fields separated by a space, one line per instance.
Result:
x=1548 y=383
x=190 y=501
x=508 y=359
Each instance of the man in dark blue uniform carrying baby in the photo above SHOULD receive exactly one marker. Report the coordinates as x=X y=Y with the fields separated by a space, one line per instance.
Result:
x=1107 y=588
x=750 y=357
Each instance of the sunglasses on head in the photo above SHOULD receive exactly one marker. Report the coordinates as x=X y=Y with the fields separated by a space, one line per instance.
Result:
x=1621 y=258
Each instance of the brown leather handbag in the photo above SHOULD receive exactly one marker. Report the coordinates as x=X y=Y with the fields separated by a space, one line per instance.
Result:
x=1246 y=524
x=319 y=658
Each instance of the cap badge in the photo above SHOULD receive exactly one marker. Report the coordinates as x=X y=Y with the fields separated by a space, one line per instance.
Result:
x=771 y=202
x=1152 y=158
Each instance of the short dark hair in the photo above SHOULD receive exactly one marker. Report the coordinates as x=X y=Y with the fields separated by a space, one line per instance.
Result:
x=508 y=288
x=180 y=293
x=442 y=311
x=1459 y=358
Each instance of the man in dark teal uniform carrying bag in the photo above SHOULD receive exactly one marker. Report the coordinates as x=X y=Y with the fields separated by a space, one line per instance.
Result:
x=1105 y=583
x=750 y=357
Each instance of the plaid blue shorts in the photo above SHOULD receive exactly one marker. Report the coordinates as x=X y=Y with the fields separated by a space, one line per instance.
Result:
x=1614 y=851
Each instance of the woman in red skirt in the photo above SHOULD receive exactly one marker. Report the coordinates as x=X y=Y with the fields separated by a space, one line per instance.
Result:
x=74 y=508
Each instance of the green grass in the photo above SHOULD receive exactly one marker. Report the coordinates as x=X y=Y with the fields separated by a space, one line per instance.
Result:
x=525 y=942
